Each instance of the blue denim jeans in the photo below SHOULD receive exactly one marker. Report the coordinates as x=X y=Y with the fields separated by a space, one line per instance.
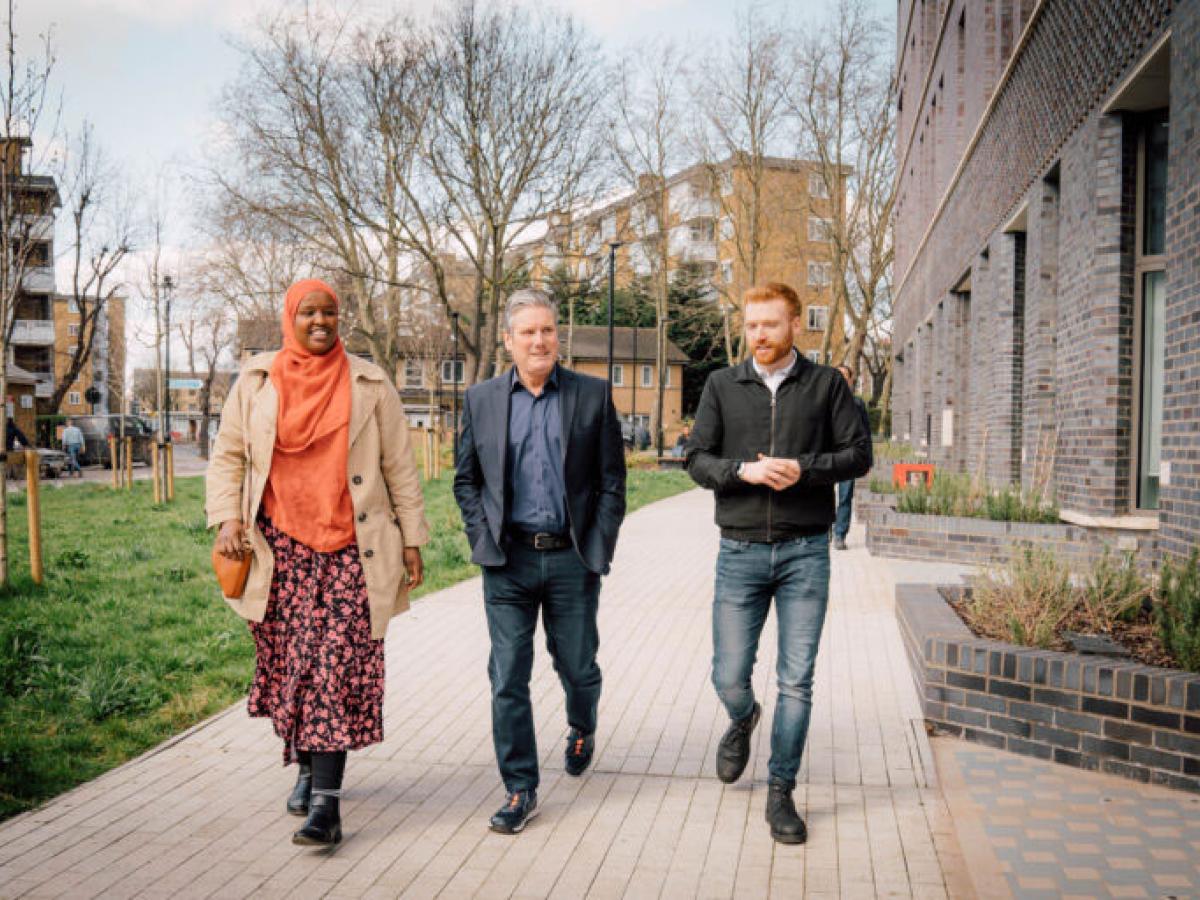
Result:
x=557 y=583
x=73 y=458
x=845 y=503
x=795 y=574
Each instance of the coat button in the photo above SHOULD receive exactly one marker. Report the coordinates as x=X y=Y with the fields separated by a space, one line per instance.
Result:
x=368 y=553
x=357 y=479
x=362 y=517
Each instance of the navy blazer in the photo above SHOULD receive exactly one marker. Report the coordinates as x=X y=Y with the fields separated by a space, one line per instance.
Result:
x=593 y=467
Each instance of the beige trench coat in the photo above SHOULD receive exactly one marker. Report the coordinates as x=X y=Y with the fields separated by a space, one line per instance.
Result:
x=385 y=489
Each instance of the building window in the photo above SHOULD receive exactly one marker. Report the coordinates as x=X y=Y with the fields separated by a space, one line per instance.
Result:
x=819 y=229
x=74 y=398
x=726 y=183
x=452 y=371
x=608 y=228
x=647 y=376
x=413 y=372
x=817 y=187
x=727 y=272
x=1151 y=298
x=618 y=379
x=814 y=356
x=702 y=231
x=73 y=329
x=818 y=316
x=819 y=274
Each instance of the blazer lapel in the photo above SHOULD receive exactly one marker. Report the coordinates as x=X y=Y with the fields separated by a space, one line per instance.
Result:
x=362 y=403
x=567 y=390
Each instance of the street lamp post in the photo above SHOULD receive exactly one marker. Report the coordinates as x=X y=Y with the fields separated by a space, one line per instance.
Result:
x=612 y=287
x=454 y=376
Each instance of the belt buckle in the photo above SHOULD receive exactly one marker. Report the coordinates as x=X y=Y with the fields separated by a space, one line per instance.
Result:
x=537 y=541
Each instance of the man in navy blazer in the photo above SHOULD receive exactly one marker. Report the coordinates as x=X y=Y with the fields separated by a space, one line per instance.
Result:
x=540 y=482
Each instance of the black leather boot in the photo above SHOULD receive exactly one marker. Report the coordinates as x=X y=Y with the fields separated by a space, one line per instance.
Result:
x=323 y=827
x=786 y=825
x=734 y=750
x=297 y=803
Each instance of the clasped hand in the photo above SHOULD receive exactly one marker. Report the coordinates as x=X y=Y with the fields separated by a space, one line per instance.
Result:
x=775 y=472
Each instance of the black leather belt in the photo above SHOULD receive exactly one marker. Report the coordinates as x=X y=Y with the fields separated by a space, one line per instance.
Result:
x=541 y=540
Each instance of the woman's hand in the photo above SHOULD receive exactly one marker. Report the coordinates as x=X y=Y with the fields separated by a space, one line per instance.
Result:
x=231 y=539
x=414 y=567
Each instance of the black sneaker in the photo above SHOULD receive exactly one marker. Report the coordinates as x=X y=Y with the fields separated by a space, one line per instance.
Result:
x=839 y=543
x=578 y=755
x=734 y=750
x=514 y=815
x=786 y=825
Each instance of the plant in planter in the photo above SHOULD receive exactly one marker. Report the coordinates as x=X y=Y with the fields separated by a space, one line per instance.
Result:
x=1113 y=591
x=1028 y=600
x=1177 y=612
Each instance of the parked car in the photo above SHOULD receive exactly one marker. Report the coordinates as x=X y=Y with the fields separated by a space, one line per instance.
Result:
x=53 y=463
x=96 y=430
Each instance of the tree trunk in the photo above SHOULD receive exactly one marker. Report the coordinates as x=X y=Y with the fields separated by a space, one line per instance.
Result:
x=4 y=485
x=885 y=405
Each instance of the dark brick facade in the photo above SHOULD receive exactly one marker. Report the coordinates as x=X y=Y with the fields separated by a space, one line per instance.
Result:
x=1092 y=712
x=1017 y=255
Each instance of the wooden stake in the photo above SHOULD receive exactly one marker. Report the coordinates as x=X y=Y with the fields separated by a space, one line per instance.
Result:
x=154 y=473
x=170 y=472
x=114 y=460
x=437 y=453
x=34 y=505
x=128 y=463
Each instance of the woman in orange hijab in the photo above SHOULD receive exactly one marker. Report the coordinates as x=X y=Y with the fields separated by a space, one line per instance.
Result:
x=312 y=474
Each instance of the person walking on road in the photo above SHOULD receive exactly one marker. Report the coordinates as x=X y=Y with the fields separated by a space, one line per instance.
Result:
x=540 y=481
x=313 y=475
x=772 y=436
x=72 y=444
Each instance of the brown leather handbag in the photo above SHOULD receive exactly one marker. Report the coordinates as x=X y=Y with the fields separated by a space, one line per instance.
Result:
x=232 y=573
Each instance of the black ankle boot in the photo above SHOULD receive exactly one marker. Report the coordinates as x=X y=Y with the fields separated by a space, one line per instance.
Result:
x=323 y=827
x=786 y=825
x=297 y=803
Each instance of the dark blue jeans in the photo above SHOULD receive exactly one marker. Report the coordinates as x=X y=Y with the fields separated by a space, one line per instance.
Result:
x=845 y=503
x=557 y=583
x=73 y=458
x=795 y=574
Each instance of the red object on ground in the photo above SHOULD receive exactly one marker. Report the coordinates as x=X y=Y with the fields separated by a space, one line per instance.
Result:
x=908 y=474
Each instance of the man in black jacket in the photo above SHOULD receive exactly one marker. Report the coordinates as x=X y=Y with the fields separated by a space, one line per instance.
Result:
x=771 y=438
x=540 y=482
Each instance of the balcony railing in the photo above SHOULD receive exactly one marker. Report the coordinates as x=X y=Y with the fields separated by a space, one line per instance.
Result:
x=39 y=280
x=44 y=389
x=33 y=332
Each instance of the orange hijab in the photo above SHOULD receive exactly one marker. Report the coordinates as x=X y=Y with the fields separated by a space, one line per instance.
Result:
x=306 y=495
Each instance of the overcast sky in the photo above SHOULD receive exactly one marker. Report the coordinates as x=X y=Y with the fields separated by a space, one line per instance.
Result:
x=146 y=73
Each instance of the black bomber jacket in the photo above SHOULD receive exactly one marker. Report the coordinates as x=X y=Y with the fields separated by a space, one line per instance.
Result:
x=813 y=418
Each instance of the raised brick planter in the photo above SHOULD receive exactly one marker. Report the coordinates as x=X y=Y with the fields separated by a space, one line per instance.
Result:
x=1117 y=716
x=982 y=542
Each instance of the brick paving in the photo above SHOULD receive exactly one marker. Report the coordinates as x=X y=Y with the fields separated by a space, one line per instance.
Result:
x=203 y=814
x=1044 y=830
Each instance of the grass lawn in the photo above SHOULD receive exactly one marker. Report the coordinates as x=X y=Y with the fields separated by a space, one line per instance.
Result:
x=127 y=642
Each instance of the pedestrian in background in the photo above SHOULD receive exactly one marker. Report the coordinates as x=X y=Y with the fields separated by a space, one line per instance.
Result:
x=312 y=474
x=72 y=444
x=845 y=494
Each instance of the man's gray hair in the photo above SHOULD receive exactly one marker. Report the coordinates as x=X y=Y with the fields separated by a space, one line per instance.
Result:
x=524 y=299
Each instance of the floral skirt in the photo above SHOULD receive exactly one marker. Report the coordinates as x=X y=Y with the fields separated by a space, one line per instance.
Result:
x=318 y=675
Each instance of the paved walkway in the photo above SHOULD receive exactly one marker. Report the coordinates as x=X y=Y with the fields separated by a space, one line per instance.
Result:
x=203 y=814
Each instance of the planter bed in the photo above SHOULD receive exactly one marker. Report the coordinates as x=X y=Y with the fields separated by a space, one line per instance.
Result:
x=982 y=542
x=1093 y=712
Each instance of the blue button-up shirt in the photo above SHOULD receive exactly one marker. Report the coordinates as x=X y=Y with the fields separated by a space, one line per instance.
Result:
x=534 y=471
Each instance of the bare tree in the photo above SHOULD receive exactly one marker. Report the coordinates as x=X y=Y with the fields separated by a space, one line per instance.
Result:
x=512 y=137
x=647 y=143
x=207 y=332
x=844 y=102
x=742 y=91
x=101 y=236
x=27 y=200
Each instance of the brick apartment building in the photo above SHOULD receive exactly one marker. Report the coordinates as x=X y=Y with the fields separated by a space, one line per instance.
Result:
x=1047 y=303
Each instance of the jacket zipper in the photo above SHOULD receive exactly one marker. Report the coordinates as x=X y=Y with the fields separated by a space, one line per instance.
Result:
x=770 y=491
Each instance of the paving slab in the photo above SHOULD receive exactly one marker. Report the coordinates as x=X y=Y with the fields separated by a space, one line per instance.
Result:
x=202 y=815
